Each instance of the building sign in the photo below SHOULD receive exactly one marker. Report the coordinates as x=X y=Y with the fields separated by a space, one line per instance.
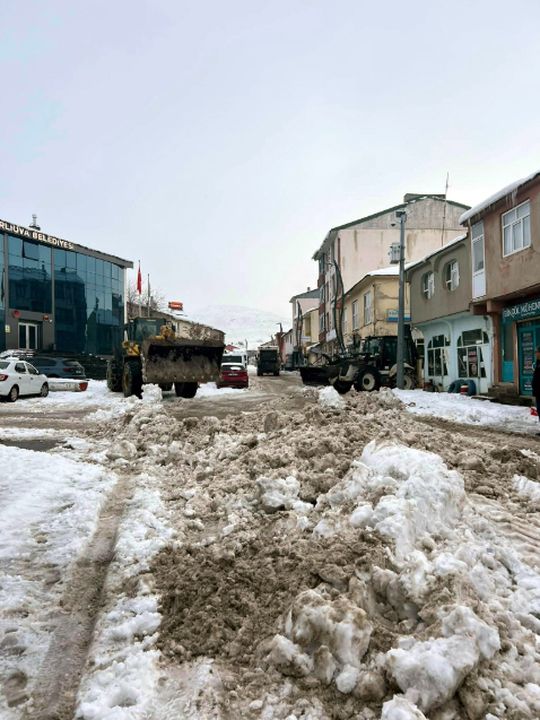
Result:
x=176 y=305
x=524 y=310
x=37 y=235
x=393 y=315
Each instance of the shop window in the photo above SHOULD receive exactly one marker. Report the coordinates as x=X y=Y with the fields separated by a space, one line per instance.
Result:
x=470 y=354
x=437 y=356
x=451 y=275
x=516 y=225
x=428 y=285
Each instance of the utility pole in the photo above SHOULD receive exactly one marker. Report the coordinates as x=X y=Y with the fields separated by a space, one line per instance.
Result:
x=400 y=379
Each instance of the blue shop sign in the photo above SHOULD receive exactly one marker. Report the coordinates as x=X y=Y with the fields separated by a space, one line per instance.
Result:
x=523 y=311
x=392 y=316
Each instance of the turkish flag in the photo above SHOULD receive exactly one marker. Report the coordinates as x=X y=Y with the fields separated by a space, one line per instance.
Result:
x=139 y=280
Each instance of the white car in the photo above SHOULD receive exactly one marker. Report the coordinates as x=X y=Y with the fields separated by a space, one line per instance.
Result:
x=20 y=378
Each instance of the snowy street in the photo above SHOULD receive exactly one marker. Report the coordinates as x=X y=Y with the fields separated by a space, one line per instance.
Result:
x=276 y=553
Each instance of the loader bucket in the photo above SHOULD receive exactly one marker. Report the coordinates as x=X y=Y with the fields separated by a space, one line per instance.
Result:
x=181 y=360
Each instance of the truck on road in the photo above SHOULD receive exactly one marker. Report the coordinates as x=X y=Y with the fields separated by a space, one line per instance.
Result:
x=268 y=361
x=155 y=351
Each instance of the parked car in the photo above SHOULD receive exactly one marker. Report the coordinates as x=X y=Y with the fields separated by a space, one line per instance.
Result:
x=59 y=367
x=18 y=377
x=233 y=375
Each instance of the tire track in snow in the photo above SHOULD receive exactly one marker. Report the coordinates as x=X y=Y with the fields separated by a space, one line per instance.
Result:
x=55 y=691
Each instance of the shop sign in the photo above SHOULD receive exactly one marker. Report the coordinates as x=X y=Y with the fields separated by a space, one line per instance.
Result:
x=524 y=310
x=393 y=316
x=23 y=232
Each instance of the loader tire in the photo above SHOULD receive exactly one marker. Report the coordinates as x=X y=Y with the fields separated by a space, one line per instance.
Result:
x=114 y=376
x=409 y=381
x=368 y=379
x=179 y=389
x=342 y=386
x=166 y=386
x=132 y=380
x=190 y=390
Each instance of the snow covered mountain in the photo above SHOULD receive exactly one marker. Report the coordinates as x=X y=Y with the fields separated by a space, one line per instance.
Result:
x=241 y=323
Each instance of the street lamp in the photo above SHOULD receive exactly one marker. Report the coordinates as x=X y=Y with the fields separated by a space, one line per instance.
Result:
x=397 y=255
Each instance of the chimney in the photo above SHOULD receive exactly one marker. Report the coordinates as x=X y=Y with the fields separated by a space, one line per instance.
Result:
x=309 y=289
x=34 y=224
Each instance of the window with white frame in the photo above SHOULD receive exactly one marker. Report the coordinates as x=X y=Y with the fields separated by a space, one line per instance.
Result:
x=428 y=285
x=477 y=233
x=331 y=323
x=368 y=308
x=516 y=228
x=355 y=318
x=322 y=327
x=345 y=321
x=321 y=294
x=451 y=275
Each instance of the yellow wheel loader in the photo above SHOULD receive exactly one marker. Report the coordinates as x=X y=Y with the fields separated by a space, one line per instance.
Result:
x=155 y=351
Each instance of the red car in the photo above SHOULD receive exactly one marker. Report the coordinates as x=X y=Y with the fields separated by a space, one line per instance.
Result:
x=233 y=375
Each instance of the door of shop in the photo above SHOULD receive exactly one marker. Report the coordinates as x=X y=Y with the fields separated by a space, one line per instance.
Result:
x=528 y=341
x=28 y=336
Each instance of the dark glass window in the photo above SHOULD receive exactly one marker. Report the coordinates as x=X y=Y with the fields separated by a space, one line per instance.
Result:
x=30 y=250
x=14 y=246
x=59 y=259
x=2 y=296
x=81 y=263
x=30 y=285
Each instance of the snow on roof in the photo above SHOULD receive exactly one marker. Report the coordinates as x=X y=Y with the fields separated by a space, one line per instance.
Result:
x=391 y=270
x=492 y=199
x=457 y=239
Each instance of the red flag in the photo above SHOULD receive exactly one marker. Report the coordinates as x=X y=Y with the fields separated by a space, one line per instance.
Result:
x=139 y=280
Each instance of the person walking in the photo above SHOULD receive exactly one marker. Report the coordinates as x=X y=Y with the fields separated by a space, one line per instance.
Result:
x=536 y=382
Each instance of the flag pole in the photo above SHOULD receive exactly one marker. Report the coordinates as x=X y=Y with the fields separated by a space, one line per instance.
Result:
x=148 y=299
x=139 y=287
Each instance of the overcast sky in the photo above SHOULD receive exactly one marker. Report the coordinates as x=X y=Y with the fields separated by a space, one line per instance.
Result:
x=218 y=141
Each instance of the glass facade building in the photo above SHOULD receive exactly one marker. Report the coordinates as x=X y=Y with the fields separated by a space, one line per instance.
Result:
x=58 y=296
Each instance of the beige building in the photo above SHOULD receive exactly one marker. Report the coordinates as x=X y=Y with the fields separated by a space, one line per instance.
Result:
x=305 y=324
x=371 y=306
x=351 y=251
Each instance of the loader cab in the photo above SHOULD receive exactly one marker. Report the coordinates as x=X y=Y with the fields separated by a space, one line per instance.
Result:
x=139 y=329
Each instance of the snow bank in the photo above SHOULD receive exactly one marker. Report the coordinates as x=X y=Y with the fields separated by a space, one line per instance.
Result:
x=528 y=489
x=462 y=409
x=211 y=390
x=122 y=673
x=49 y=506
x=417 y=506
x=330 y=398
